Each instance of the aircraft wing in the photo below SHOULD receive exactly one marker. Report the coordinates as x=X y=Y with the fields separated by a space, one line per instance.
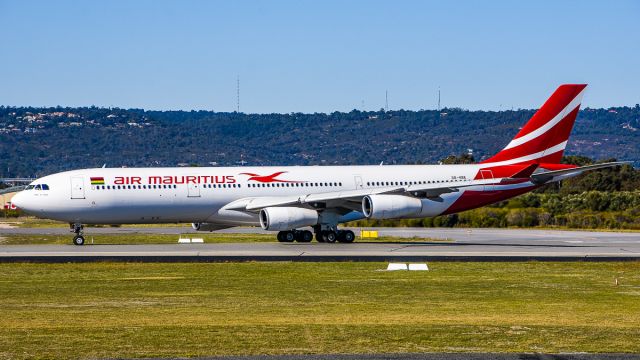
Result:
x=350 y=199
x=544 y=177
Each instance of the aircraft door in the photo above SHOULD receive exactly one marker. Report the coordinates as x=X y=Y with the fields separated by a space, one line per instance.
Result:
x=358 y=180
x=487 y=175
x=194 y=190
x=77 y=187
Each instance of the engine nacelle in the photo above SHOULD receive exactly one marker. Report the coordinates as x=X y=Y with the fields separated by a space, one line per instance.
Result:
x=390 y=206
x=287 y=218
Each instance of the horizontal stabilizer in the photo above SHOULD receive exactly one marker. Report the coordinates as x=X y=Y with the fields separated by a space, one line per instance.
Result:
x=543 y=177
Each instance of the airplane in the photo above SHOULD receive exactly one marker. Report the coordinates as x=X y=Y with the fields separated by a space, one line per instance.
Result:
x=288 y=199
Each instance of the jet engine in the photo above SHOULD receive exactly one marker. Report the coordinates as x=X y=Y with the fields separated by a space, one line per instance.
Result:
x=390 y=206
x=287 y=218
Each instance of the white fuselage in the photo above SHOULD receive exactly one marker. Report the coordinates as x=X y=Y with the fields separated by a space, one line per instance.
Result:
x=195 y=194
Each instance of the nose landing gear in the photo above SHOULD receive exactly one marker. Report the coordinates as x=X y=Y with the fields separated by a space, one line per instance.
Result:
x=78 y=239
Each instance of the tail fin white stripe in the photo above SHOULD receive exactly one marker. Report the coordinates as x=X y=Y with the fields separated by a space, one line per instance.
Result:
x=544 y=128
x=537 y=155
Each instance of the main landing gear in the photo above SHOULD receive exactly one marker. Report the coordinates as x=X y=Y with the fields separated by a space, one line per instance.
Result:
x=78 y=239
x=324 y=236
x=295 y=235
x=330 y=236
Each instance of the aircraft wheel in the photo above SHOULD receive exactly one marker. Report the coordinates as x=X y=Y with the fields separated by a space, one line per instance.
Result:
x=78 y=240
x=289 y=236
x=305 y=236
x=329 y=236
x=280 y=236
x=346 y=236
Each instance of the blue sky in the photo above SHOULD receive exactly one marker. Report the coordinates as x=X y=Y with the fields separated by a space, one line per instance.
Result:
x=316 y=56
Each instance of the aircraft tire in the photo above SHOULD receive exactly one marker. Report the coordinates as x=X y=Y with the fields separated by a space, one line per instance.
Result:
x=329 y=236
x=289 y=236
x=78 y=240
x=305 y=236
x=346 y=236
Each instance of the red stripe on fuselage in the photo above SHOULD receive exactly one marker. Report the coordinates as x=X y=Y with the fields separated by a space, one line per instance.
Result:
x=503 y=171
x=472 y=199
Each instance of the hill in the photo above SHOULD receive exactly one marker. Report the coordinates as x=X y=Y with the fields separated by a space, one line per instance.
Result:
x=38 y=141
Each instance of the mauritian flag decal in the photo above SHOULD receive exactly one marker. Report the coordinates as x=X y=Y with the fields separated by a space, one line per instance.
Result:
x=97 y=181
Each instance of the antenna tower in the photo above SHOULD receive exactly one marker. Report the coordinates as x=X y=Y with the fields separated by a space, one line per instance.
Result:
x=386 y=100
x=438 y=98
x=238 y=94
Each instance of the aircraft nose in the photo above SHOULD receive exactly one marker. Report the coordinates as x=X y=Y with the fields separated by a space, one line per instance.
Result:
x=19 y=201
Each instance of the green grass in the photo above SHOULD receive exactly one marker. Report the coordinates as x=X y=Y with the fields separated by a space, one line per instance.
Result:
x=131 y=239
x=34 y=222
x=162 y=310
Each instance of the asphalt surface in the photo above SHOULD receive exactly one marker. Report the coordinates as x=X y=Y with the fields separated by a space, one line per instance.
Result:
x=438 y=244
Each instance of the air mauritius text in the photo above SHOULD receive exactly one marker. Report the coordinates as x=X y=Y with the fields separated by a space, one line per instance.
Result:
x=169 y=180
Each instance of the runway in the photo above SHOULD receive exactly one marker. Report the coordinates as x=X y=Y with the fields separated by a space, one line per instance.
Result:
x=438 y=245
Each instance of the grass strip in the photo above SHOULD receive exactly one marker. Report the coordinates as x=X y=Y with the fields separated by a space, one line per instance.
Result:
x=164 y=310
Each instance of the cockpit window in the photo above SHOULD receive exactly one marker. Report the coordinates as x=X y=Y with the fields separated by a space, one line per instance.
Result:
x=37 y=187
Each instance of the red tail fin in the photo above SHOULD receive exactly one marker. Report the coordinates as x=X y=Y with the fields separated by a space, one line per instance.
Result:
x=544 y=137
